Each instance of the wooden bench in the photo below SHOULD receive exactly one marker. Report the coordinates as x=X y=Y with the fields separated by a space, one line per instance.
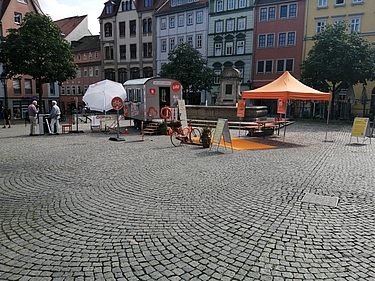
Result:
x=260 y=128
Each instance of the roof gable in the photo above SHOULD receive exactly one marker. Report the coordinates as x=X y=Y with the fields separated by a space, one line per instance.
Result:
x=110 y=8
x=5 y=3
x=67 y=25
x=87 y=43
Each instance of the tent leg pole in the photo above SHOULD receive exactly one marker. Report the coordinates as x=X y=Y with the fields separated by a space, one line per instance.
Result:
x=328 y=110
x=285 y=114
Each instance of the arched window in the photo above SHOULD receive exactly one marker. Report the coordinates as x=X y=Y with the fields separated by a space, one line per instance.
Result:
x=149 y=25
x=147 y=72
x=144 y=26
x=122 y=75
x=108 y=29
x=109 y=74
x=228 y=64
x=134 y=73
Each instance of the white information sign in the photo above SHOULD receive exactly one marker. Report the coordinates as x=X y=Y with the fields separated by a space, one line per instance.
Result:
x=182 y=110
x=222 y=129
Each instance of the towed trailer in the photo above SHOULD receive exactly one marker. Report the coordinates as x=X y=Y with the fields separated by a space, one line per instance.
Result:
x=147 y=96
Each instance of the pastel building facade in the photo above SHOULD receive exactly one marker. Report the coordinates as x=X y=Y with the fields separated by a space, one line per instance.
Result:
x=230 y=41
x=182 y=21
x=17 y=93
x=360 y=16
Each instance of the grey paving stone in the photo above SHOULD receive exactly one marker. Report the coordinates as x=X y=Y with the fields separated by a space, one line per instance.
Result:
x=92 y=209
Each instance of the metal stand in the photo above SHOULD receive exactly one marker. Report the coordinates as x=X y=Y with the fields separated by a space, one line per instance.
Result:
x=118 y=130
x=77 y=131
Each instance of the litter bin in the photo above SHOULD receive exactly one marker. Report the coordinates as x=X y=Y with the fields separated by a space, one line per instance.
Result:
x=43 y=124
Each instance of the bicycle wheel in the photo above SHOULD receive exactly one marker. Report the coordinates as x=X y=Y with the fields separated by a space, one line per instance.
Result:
x=195 y=135
x=175 y=140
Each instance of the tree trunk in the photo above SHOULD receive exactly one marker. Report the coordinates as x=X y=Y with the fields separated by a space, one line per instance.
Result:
x=332 y=109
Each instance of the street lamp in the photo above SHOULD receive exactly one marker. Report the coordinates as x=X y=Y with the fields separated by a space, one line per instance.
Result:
x=4 y=82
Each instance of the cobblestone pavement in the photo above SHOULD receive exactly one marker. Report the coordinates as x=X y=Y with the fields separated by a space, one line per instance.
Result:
x=81 y=207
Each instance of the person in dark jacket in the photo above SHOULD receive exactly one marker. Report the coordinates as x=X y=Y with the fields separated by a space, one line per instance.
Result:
x=6 y=116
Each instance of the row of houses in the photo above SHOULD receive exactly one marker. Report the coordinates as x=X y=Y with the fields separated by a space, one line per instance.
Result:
x=260 y=38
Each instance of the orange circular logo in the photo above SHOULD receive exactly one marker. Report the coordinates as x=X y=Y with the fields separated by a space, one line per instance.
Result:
x=117 y=103
x=176 y=87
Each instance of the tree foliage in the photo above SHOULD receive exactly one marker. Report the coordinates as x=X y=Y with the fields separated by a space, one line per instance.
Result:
x=338 y=57
x=187 y=66
x=37 y=49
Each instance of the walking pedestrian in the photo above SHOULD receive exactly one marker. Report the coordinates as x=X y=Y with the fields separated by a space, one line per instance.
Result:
x=33 y=112
x=55 y=116
x=6 y=116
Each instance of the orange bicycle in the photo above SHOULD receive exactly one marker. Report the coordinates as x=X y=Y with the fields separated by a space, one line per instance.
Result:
x=180 y=135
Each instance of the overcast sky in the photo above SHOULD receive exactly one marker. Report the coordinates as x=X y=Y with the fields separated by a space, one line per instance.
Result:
x=60 y=9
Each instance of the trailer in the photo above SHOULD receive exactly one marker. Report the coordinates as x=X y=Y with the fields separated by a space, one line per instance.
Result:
x=147 y=96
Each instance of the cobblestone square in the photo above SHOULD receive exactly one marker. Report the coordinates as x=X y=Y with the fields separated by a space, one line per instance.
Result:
x=81 y=207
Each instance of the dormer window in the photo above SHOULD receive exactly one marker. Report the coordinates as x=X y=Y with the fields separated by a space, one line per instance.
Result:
x=126 y=5
x=17 y=18
x=108 y=8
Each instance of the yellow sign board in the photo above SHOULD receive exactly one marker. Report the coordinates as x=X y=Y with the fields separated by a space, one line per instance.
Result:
x=361 y=127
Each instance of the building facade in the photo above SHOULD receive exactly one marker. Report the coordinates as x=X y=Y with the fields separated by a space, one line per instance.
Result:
x=360 y=16
x=259 y=38
x=230 y=40
x=17 y=93
x=278 y=40
x=86 y=51
x=182 y=21
x=88 y=57
x=127 y=39
x=278 y=43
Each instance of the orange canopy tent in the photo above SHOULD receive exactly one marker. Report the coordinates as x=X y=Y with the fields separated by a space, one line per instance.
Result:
x=288 y=88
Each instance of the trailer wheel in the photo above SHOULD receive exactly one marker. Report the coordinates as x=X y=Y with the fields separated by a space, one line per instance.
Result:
x=165 y=112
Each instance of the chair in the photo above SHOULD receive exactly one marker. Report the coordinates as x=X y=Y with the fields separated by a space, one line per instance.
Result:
x=95 y=124
x=67 y=128
x=113 y=125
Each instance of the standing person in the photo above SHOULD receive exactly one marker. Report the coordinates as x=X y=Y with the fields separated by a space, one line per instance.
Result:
x=55 y=116
x=33 y=112
x=6 y=116
x=18 y=114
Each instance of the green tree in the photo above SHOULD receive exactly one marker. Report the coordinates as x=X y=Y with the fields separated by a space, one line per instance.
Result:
x=338 y=57
x=37 y=49
x=187 y=66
